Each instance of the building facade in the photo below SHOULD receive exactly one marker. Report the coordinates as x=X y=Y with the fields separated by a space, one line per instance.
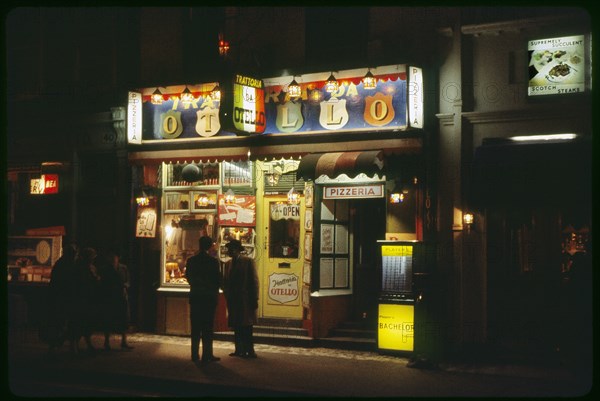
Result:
x=497 y=281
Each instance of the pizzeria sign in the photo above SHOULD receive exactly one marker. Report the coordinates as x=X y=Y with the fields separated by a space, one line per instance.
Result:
x=353 y=192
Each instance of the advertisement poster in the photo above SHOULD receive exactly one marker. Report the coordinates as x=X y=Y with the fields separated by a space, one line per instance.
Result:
x=146 y=223
x=556 y=66
x=241 y=213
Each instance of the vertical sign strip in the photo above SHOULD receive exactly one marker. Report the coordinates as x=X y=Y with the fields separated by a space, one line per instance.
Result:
x=134 y=118
x=415 y=97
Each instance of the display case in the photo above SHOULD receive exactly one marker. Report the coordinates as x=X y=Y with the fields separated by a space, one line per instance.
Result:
x=30 y=258
x=246 y=235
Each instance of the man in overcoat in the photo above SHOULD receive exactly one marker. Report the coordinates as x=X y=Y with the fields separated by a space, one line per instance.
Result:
x=203 y=275
x=241 y=292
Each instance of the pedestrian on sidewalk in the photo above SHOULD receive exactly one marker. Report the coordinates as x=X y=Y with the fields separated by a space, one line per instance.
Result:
x=241 y=293
x=60 y=303
x=115 y=305
x=203 y=274
x=86 y=299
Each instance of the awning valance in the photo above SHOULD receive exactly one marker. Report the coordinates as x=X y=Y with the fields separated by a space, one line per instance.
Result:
x=333 y=164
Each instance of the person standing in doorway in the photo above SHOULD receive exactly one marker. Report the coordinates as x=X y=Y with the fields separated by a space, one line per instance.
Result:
x=241 y=293
x=203 y=275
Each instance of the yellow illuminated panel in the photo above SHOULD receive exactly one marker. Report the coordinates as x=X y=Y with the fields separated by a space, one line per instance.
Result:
x=396 y=250
x=395 y=328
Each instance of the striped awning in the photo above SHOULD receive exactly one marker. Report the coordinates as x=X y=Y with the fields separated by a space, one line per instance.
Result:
x=333 y=164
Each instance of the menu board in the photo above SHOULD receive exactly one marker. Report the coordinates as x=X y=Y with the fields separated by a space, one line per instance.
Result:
x=397 y=266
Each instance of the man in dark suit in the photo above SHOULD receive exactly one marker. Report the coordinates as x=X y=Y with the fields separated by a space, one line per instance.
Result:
x=202 y=272
x=241 y=292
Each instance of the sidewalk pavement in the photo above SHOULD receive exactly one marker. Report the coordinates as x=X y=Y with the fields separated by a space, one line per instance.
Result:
x=161 y=366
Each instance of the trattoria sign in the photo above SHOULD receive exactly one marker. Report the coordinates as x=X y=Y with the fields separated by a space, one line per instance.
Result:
x=249 y=105
x=284 y=289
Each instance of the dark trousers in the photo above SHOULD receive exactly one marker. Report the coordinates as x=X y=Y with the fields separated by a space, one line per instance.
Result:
x=202 y=321
x=244 y=340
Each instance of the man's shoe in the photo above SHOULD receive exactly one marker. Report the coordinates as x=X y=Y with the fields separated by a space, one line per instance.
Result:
x=211 y=359
x=236 y=354
x=251 y=355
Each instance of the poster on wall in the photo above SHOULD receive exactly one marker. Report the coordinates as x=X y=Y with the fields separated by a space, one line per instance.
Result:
x=556 y=65
x=240 y=213
x=146 y=223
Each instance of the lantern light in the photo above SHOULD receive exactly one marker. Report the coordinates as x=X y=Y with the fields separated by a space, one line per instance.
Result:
x=186 y=96
x=294 y=89
x=216 y=93
x=157 y=97
x=332 y=84
x=369 y=81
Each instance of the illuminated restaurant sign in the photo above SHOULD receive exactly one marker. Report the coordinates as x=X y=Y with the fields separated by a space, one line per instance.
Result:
x=249 y=105
x=134 y=118
x=556 y=65
x=46 y=184
x=351 y=108
x=263 y=106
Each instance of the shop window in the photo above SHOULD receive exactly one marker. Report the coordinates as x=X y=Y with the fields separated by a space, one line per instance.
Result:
x=237 y=174
x=334 y=260
x=284 y=230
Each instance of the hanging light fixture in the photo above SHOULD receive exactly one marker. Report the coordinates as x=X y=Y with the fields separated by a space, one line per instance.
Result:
x=157 y=97
x=229 y=197
x=332 y=84
x=186 y=96
x=223 y=46
x=216 y=93
x=294 y=89
x=369 y=81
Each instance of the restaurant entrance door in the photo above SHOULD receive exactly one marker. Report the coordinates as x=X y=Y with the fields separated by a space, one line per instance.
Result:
x=368 y=225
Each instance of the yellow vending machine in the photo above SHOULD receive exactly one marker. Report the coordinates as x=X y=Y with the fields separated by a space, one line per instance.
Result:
x=396 y=310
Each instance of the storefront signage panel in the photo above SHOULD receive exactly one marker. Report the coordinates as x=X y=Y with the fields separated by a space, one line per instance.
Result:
x=352 y=107
x=284 y=289
x=353 y=192
x=134 y=118
x=556 y=65
x=248 y=105
x=395 y=327
x=46 y=184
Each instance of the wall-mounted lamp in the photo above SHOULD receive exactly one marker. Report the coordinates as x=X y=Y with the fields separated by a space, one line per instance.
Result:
x=186 y=96
x=293 y=197
x=331 y=85
x=468 y=220
x=157 y=97
x=294 y=89
x=369 y=81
